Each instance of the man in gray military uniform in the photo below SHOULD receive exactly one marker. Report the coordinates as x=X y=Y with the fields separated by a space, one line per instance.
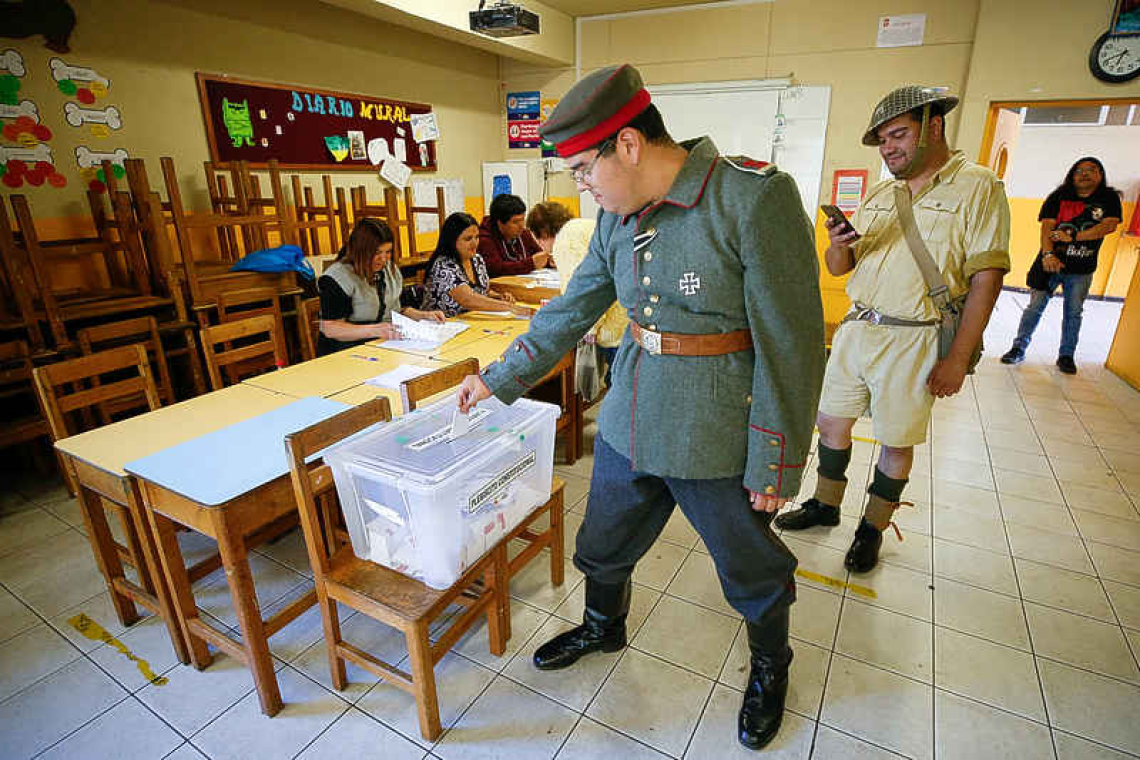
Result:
x=715 y=384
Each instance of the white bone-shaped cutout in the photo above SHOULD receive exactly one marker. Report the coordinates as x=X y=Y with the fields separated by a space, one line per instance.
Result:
x=26 y=108
x=86 y=158
x=62 y=71
x=12 y=62
x=39 y=153
x=78 y=116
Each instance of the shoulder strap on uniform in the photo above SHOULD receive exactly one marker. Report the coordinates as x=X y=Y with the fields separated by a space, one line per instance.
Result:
x=746 y=164
x=935 y=284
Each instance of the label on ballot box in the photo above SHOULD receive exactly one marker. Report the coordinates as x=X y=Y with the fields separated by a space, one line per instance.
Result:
x=429 y=502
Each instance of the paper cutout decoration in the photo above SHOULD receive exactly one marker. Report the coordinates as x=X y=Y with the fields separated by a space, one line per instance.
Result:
x=356 y=147
x=26 y=108
x=100 y=130
x=54 y=19
x=61 y=71
x=24 y=125
x=400 y=149
x=424 y=127
x=9 y=90
x=338 y=146
x=31 y=165
x=12 y=62
x=77 y=116
x=377 y=150
x=396 y=172
x=86 y=157
x=237 y=121
x=90 y=165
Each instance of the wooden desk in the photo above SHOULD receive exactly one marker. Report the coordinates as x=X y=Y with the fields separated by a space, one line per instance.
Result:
x=331 y=374
x=230 y=485
x=479 y=327
x=96 y=459
x=524 y=289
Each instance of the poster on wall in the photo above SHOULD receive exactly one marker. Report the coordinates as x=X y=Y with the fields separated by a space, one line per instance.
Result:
x=548 y=106
x=901 y=31
x=524 y=110
x=847 y=189
x=305 y=128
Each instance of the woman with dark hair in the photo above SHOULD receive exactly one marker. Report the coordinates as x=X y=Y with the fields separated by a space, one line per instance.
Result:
x=457 y=278
x=361 y=289
x=1075 y=219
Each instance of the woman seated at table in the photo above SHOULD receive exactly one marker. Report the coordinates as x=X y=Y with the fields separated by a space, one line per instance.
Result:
x=361 y=290
x=457 y=278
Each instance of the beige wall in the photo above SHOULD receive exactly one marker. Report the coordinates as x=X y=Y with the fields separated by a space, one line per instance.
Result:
x=150 y=51
x=827 y=42
x=1034 y=50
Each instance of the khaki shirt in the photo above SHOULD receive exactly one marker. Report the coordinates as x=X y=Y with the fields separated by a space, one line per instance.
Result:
x=962 y=215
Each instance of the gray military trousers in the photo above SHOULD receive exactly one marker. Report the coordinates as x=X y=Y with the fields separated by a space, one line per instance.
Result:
x=627 y=510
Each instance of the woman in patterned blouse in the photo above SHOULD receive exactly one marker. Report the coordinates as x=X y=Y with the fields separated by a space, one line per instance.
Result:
x=457 y=278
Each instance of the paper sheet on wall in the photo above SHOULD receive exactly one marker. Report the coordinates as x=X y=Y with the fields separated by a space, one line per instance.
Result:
x=423 y=194
x=804 y=113
x=901 y=31
x=396 y=172
x=395 y=377
x=424 y=127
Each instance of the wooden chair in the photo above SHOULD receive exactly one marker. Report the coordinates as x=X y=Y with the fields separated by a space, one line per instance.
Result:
x=311 y=219
x=419 y=388
x=17 y=287
x=310 y=327
x=379 y=592
x=141 y=330
x=15 y=392
x=98 y=381
x=269 y=349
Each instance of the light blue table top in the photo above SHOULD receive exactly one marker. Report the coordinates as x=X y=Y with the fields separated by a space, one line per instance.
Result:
x=224 y=464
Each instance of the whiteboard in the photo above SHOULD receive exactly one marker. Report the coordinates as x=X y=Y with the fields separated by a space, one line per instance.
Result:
x=763 y=119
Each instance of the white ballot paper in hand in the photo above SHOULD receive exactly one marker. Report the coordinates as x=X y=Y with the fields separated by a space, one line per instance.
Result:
x=460 y=423
x=422 y=335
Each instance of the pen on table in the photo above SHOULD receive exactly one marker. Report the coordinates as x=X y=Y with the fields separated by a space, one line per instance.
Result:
x=494 y=332
x=365 y=358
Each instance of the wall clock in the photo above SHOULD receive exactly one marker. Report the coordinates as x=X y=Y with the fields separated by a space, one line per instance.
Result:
x=1115 y=56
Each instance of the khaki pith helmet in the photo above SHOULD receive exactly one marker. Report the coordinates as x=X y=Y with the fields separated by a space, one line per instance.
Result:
x=905 y=99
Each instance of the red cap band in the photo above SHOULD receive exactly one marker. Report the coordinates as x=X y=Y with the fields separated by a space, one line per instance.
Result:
x=591 y=137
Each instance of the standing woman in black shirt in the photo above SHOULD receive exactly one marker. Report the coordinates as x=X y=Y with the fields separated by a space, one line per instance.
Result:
x=1075 y=219
x=361 y=289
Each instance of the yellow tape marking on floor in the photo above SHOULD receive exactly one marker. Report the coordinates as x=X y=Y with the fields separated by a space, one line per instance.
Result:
x=96 y=632
x=836 y=583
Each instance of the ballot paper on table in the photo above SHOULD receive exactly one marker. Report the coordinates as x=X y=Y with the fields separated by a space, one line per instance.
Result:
x=422 y=335
x=395 y=377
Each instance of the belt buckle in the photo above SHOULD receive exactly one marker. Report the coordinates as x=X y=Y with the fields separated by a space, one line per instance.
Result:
x=651 y=341
x=870 y=315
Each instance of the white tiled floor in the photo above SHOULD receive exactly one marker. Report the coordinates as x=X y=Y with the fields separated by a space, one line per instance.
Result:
x=1006 y=625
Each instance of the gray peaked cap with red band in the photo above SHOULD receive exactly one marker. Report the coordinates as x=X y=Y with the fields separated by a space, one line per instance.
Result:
x=596 y=107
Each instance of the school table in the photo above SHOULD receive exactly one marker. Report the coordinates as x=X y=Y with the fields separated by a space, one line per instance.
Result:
x=524 y=288
x=229 y=484
x=333 y=373
x=97 y=460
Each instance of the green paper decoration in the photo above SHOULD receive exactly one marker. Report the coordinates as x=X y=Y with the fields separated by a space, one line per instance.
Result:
x=67 y=87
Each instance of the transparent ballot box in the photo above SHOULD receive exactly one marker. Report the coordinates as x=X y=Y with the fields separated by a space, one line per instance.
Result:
x=429 y=504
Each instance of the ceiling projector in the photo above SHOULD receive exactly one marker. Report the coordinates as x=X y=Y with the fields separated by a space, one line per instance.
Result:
x=503 y=19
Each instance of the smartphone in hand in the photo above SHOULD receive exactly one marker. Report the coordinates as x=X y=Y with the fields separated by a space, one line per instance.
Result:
x=839 y=219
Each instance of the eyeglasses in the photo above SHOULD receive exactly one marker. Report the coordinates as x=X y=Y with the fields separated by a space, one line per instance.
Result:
x=581 y=175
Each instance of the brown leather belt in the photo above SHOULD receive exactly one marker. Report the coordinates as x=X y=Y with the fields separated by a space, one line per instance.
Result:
x=680 y=344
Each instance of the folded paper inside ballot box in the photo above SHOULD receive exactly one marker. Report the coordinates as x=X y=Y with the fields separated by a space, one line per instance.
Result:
x=428 y=503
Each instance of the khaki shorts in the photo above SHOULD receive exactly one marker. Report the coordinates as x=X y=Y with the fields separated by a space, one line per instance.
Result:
x=883 y=369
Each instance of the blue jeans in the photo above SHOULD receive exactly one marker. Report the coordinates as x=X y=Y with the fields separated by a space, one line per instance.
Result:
x=1075 y=288
x=627 y=511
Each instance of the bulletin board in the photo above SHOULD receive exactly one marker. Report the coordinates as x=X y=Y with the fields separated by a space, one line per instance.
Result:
x=258 y=121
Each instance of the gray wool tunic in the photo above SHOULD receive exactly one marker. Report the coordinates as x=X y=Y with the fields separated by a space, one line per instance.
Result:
x=729 y=248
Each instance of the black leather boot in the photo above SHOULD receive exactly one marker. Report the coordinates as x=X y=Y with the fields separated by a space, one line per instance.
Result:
x=763 y=708
x=602 y=629
x=811 y=513
x=864 y=552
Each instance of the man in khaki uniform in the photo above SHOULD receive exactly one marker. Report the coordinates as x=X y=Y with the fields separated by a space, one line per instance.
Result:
x=716 y=380
x=885 y=354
